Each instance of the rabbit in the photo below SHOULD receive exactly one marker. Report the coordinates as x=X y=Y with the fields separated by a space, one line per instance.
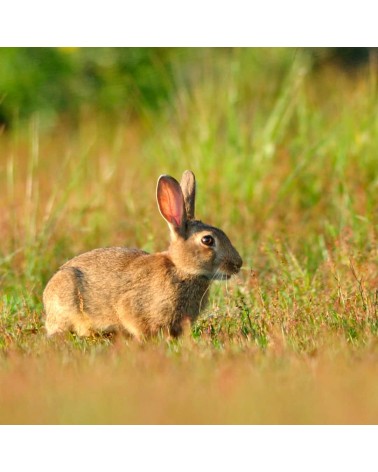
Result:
x=117 y=288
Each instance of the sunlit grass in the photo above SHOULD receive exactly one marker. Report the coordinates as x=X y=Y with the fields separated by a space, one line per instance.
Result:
x=285 y=159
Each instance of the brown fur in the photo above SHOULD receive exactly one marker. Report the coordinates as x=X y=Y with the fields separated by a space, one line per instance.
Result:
x=111 y=288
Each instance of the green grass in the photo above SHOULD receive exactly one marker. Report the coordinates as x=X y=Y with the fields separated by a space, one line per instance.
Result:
x=285 y=159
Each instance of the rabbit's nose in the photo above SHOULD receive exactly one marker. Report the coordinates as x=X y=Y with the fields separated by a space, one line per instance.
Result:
x=238 y=263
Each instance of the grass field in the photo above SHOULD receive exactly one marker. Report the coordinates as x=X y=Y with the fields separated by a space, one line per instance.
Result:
x=286 y=162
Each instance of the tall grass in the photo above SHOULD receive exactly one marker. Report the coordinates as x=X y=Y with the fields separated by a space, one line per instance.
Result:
x=285 y=159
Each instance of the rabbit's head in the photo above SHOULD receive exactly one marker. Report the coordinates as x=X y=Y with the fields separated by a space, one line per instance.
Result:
x=196 y=248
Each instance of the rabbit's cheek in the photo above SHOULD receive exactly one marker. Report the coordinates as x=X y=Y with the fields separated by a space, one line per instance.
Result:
x=208 y=257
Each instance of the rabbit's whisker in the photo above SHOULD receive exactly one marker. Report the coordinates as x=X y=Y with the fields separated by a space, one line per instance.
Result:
x=207 y=289
x=214 y=277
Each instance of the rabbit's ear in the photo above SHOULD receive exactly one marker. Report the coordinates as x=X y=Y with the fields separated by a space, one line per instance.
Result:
x=171 y=203
x=188 y=187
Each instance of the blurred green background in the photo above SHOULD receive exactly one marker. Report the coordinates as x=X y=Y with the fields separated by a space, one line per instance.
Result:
x=68 y=82
x=63 y=81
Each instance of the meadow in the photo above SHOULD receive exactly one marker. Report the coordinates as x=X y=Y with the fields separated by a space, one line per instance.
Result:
x=286 y=163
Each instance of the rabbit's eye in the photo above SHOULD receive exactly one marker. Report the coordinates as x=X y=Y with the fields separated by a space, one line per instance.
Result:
x=208 y=240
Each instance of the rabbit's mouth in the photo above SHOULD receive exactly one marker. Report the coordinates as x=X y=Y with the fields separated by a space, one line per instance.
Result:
x=227 y=270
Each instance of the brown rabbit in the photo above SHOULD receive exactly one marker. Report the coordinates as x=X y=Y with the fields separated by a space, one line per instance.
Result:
x=110 y=288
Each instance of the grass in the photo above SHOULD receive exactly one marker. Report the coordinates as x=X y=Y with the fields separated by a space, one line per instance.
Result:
x=285 y=160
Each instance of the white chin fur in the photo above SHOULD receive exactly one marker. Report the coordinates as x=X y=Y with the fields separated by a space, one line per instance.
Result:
x=222 y=277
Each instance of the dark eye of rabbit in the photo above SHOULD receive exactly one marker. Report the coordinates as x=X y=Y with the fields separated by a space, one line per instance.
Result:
x=208 y=240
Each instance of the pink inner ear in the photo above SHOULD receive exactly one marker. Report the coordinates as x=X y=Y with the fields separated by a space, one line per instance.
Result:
x=170 y=199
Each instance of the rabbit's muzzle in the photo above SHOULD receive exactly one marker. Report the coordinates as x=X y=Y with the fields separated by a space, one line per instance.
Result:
x=229 y=268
